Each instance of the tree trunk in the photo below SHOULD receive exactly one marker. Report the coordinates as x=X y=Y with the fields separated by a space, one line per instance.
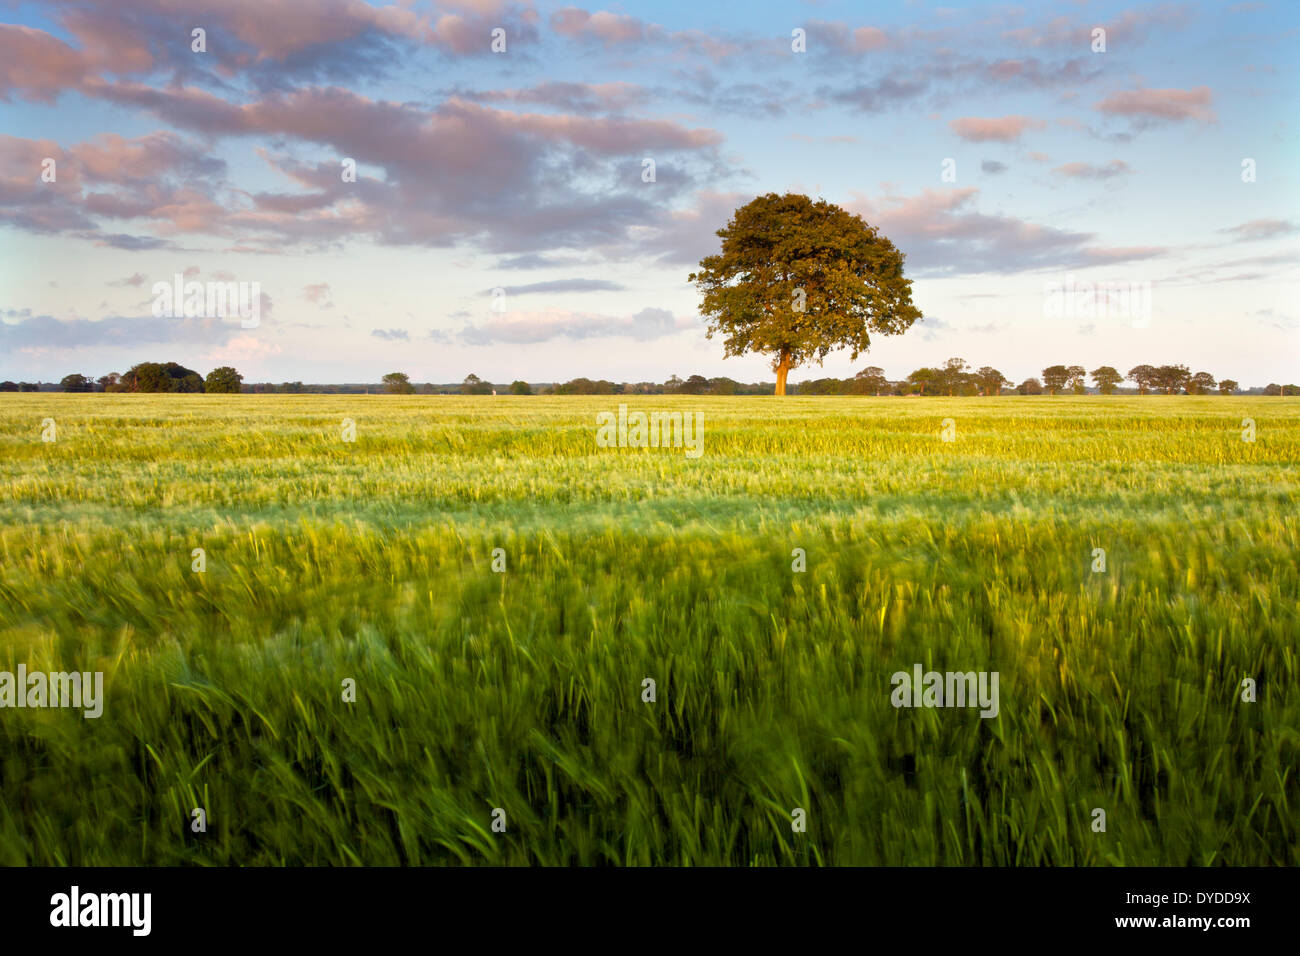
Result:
x=782 y=370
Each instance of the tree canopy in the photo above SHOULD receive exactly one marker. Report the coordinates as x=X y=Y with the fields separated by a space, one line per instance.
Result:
x=797 y=279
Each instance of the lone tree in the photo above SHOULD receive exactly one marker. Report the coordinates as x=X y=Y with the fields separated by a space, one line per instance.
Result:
x=1106 y=378
x=797 y=279
x=398 y=383
x=77 y=383
x=1075 y=380
x=1227 y=386
x=1202 y=383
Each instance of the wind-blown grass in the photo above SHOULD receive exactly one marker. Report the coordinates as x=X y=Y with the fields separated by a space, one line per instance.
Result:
x=522 y=691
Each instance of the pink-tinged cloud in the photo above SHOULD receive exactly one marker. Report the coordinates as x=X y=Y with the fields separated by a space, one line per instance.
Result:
x=570 y=97
x=1257 y=229
x=243 y=349
x=839 y=38
x=612 y=30
x=317 y=293
x=1113 y=254
x=942 y=233
x=1003 y=129
x=37 y=65
x=1128 y=28
x=867 y=39
x=1170 y=104
x=608 y=28
x=1116 y=167
x=521 y=328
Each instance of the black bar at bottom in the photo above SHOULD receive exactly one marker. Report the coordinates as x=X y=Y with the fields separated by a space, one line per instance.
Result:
x=330 y=906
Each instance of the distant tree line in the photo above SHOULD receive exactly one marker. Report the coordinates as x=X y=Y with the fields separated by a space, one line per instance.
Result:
x=954 y=378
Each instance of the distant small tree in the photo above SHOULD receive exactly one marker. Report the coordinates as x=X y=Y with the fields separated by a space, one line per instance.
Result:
x=925 y=381
x=1074 y=378
x=8 y=386
x=953 y=377
x=1106 y=378
x=1202 y=383
x=473 y=385
x=1172 y=378
x=1055 y=377
x=990 y=381
x=1030 y=386
x=820 y=386
x=695 y=385
x=1144 y=376
x=108 y=382
x=148 y=377
x=398 y=383
x=520 y=388
x=673 y=384
x=873 y=381
x=1227 y=386
x=77 y=383
x=224 y=380
x=28 y=387
x=722 y=386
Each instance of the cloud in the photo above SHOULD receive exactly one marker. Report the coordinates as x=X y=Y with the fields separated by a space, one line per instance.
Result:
x=1005 y=129
x=1257 y=229
x=1167 y=104
x=318 y=294
x=391 y=335
x=47 y=332
x=993 y=167
x=941 y=233
x=535 y=260
x=839 y=38
x=461 y=172
x=136 y=279
x=562 y=285
x=569 y=97
x=878 y=96
x=533 y=327
x=611 y=30
x=1110 y=254
x=242 y=349
x=1116 y=167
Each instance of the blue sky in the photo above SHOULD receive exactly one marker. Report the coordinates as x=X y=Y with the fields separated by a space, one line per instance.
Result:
x=522 y=170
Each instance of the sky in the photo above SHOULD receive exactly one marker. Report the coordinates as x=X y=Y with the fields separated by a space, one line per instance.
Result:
x=503 y=219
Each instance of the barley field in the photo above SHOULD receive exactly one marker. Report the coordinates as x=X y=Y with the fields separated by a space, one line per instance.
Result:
x=522 y=690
